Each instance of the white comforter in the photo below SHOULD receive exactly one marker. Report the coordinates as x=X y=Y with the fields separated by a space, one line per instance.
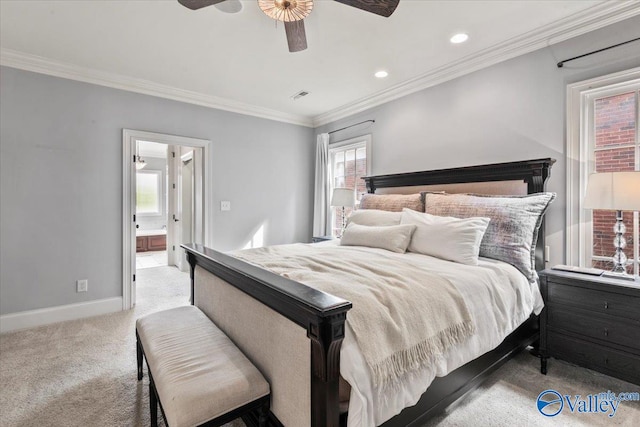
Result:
x=499 y=298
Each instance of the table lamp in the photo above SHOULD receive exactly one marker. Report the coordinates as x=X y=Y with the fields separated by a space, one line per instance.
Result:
x=344 y=198
x=618 y=191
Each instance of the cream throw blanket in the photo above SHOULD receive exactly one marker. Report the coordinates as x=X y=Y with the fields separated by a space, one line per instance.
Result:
x=402 y=315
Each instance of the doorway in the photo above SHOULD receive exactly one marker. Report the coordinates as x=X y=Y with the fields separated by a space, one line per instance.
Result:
x=151 y=207
x=164 y=203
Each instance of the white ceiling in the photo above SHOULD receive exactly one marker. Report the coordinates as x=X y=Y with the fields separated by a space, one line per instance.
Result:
x=240 y=62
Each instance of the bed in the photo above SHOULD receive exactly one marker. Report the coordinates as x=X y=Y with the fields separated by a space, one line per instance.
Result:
x=294 y=333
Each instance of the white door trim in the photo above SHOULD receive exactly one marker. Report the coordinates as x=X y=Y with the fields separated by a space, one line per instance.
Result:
x=129 y=138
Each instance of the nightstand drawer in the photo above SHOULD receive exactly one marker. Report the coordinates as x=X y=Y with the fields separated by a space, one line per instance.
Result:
x=600 y=301
x=622 y=365
x=605 y=328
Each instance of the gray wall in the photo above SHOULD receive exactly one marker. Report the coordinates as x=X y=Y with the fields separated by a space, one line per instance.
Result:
x=61 y=182
x=511 y=111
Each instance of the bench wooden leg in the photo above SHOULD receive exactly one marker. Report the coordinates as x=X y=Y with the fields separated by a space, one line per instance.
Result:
x=153 y=403
x=263 y=414
x=139 y=356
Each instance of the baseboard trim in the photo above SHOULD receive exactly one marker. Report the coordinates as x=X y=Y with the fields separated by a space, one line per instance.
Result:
x=45 y=316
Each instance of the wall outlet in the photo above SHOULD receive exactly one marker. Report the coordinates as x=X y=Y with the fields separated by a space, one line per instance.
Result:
x=225 y=205
x=547 y=253
x=82 y=285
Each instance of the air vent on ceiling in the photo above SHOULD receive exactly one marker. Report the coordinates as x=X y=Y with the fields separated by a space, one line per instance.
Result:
x=299 y=95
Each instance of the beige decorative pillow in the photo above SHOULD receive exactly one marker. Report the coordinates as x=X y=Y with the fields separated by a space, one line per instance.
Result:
x=394 y=238
x=445 y=237
x=392 y=202
x=513 y=230
x=374 y=217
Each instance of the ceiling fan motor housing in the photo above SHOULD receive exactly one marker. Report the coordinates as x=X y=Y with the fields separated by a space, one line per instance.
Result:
x=286 y=10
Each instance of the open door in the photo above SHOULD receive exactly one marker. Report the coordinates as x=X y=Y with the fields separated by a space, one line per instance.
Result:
x=188 y=163
x=187 y=197
x=174 y=228
x=186 y=207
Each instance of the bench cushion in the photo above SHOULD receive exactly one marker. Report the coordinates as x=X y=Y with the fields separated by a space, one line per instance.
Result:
x=198 y=372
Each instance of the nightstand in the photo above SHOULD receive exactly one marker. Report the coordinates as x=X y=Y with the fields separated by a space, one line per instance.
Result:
x=591 y=321
x=317 y=239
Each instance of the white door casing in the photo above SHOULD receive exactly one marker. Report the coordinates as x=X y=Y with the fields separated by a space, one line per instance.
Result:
x=202 y=211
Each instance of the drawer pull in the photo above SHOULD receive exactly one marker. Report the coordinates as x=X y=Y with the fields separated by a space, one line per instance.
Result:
x=606 y=360
x=606 y=332
x=606 y=305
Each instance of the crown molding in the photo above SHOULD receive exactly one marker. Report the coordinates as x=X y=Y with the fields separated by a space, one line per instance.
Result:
x=42 y=65
x=591 y=19
x=586 y=21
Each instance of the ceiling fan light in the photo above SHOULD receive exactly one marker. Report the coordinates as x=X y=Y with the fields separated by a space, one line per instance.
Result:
x=286 y=10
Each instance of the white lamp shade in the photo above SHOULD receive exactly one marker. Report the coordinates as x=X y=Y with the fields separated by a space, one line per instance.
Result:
x=343 y=197
x=619 y=191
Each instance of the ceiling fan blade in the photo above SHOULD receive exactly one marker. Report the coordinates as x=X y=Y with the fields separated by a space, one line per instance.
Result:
x=379 y=7
x=198 y=4
x=296 y=36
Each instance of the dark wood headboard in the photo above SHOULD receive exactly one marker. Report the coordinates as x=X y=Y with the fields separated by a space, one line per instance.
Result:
x=534 y=173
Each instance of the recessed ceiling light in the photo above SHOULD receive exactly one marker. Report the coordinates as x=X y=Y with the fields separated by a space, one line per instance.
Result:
x=459 y=38
x=381 y=74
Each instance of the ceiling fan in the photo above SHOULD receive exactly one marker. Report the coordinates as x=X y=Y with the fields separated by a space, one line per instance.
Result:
x=293 y=12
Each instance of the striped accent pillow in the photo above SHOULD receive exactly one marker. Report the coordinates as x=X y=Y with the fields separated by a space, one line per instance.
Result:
x=513 y=227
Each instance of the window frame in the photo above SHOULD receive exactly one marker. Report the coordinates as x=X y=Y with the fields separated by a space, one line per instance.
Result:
x=160 y=180
x=581 y=162
x=343 y=146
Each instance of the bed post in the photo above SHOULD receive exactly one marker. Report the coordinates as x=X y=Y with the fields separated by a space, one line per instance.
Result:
x=326 y=339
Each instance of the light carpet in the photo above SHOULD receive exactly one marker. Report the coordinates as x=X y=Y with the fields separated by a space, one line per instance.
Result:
x=83 y=373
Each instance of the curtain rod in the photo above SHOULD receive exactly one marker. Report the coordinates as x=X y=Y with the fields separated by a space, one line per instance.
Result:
x=561 y=63
x=350 y=126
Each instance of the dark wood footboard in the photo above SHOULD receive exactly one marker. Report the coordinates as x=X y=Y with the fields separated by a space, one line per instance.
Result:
x=321 y=314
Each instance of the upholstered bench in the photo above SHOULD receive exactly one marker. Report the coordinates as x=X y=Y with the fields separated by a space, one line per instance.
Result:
x=196 y=374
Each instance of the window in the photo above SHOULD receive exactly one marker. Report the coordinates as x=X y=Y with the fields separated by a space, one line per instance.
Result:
x=349 y=161
x=614 y=148
x=608 y=142
x=149 y=193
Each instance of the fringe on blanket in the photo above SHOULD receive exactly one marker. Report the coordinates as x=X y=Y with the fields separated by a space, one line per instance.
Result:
x=387 y=372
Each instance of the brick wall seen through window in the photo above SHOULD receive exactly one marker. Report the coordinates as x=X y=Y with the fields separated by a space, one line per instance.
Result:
x=615 y=149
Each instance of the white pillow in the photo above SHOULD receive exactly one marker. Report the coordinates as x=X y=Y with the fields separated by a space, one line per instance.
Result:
x=393 y=238
x=445 y=237
x=374 y=217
